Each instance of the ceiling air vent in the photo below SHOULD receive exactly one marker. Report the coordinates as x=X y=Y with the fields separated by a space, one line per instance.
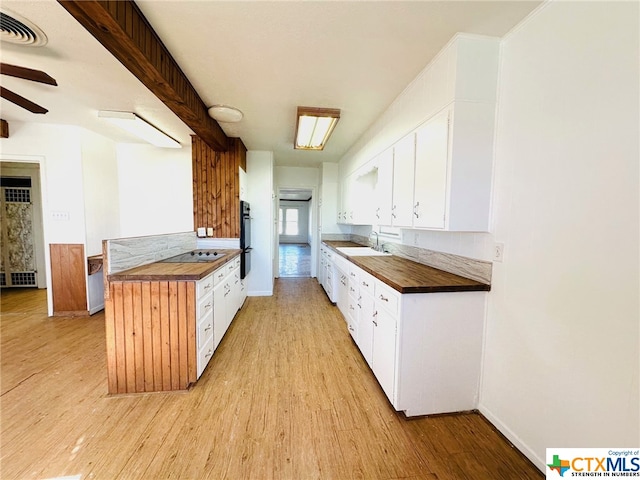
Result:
x=19 y=30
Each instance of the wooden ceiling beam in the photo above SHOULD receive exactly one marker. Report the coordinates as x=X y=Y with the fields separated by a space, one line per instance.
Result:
x=123 y=30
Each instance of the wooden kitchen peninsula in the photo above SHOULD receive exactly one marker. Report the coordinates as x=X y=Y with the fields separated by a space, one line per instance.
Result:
x=163 y=322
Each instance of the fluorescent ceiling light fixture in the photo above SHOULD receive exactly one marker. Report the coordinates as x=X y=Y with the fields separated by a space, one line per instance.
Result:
x=134 y=124
x=314 y=126
x=225 y=113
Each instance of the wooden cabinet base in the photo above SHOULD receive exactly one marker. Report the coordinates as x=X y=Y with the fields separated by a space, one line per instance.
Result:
x=150 y=336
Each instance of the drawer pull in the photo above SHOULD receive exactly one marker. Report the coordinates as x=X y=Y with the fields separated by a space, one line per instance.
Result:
x=208 y=285
x=352 y=274
x=375 y=323
x=208 y=305
x=383 y=298
x=208 y=327
x=365 y=283
x=209 y=353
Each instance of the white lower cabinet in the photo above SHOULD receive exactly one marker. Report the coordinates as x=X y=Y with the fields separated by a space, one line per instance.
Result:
x=423 y=348
x=204 y=322
x=220 y=295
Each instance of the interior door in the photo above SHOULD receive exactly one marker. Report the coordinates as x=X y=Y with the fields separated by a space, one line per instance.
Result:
x=18 y=254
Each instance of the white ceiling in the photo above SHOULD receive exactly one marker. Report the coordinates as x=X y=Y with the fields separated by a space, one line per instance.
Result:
x=263 y=57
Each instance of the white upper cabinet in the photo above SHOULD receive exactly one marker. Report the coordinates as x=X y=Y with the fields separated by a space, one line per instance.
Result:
x=403 y=184
x=432 y=153
x=384 y=187
x=441 y=170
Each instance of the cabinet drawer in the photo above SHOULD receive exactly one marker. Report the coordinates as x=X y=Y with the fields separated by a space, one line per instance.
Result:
x=205 y=305
x=236 y=262
x=204 y=355
x=367 y=283
x=205 y=286
x=219 y=274
x=387 y=297
x=205 y=329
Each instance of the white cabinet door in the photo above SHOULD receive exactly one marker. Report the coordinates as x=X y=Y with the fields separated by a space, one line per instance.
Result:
x=432 y=154
x=384 y=188
x=365 y=328
x=343 y=292
x=219 y=313
x=403 y=172
x=384 y=351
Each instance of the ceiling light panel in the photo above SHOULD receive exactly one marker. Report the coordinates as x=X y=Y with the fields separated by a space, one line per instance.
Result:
x=135 y=125
x=314 y=127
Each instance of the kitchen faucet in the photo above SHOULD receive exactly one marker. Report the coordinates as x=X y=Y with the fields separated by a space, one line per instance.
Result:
x=377 y=247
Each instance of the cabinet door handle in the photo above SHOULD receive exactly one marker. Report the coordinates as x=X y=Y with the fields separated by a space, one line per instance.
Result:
x=375 y=314
x=375 y=323
x=365 y=283
x=209 y=353
x=208 y=327
x=208 y=285
x=383 y=298
x=208 y=305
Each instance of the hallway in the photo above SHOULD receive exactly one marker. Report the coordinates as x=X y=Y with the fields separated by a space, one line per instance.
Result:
x=295 y=260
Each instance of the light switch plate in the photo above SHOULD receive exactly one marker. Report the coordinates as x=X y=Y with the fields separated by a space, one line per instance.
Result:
x=201 y=232
x=209 y=231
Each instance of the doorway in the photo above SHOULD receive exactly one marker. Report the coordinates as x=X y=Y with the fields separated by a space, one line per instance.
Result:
x=295 y=232
x=22 y=252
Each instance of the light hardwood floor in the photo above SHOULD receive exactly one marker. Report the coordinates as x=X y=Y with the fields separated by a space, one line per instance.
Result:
x=287 y=395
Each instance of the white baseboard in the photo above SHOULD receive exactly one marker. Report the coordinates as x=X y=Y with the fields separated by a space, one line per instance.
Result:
x=513 y=438
x=260 y=293
x=96 y=309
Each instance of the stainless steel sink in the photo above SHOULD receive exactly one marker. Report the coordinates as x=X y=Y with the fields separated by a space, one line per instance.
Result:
x=362 y=252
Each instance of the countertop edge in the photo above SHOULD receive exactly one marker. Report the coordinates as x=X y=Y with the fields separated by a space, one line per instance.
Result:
x=477 y=287
x=151 y=277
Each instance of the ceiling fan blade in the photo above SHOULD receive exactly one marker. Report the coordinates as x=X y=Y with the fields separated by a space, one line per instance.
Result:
x=21 y=101
x=27 y=74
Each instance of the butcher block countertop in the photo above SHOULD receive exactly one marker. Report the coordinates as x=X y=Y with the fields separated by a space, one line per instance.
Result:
x=407 y=276
x=160 y=271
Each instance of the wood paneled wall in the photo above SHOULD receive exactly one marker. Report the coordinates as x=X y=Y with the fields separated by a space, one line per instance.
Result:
x=68 y=279
x=151 y=336
x=216 y=187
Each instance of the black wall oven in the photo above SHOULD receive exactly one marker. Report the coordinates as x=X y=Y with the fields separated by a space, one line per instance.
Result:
x=245 y=238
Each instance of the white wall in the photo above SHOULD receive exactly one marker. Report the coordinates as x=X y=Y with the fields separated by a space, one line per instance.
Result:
x=156 y=190
x=561 y=351
x=261 y=196
x=101 y=195
x=101 y=200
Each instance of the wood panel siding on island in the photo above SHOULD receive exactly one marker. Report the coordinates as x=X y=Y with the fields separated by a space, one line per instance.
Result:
x=152 y=337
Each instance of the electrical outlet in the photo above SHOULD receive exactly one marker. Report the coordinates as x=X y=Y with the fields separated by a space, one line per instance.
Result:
x=498 y=252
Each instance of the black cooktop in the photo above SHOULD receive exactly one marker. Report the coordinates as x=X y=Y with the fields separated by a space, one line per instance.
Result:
x=195 y=256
